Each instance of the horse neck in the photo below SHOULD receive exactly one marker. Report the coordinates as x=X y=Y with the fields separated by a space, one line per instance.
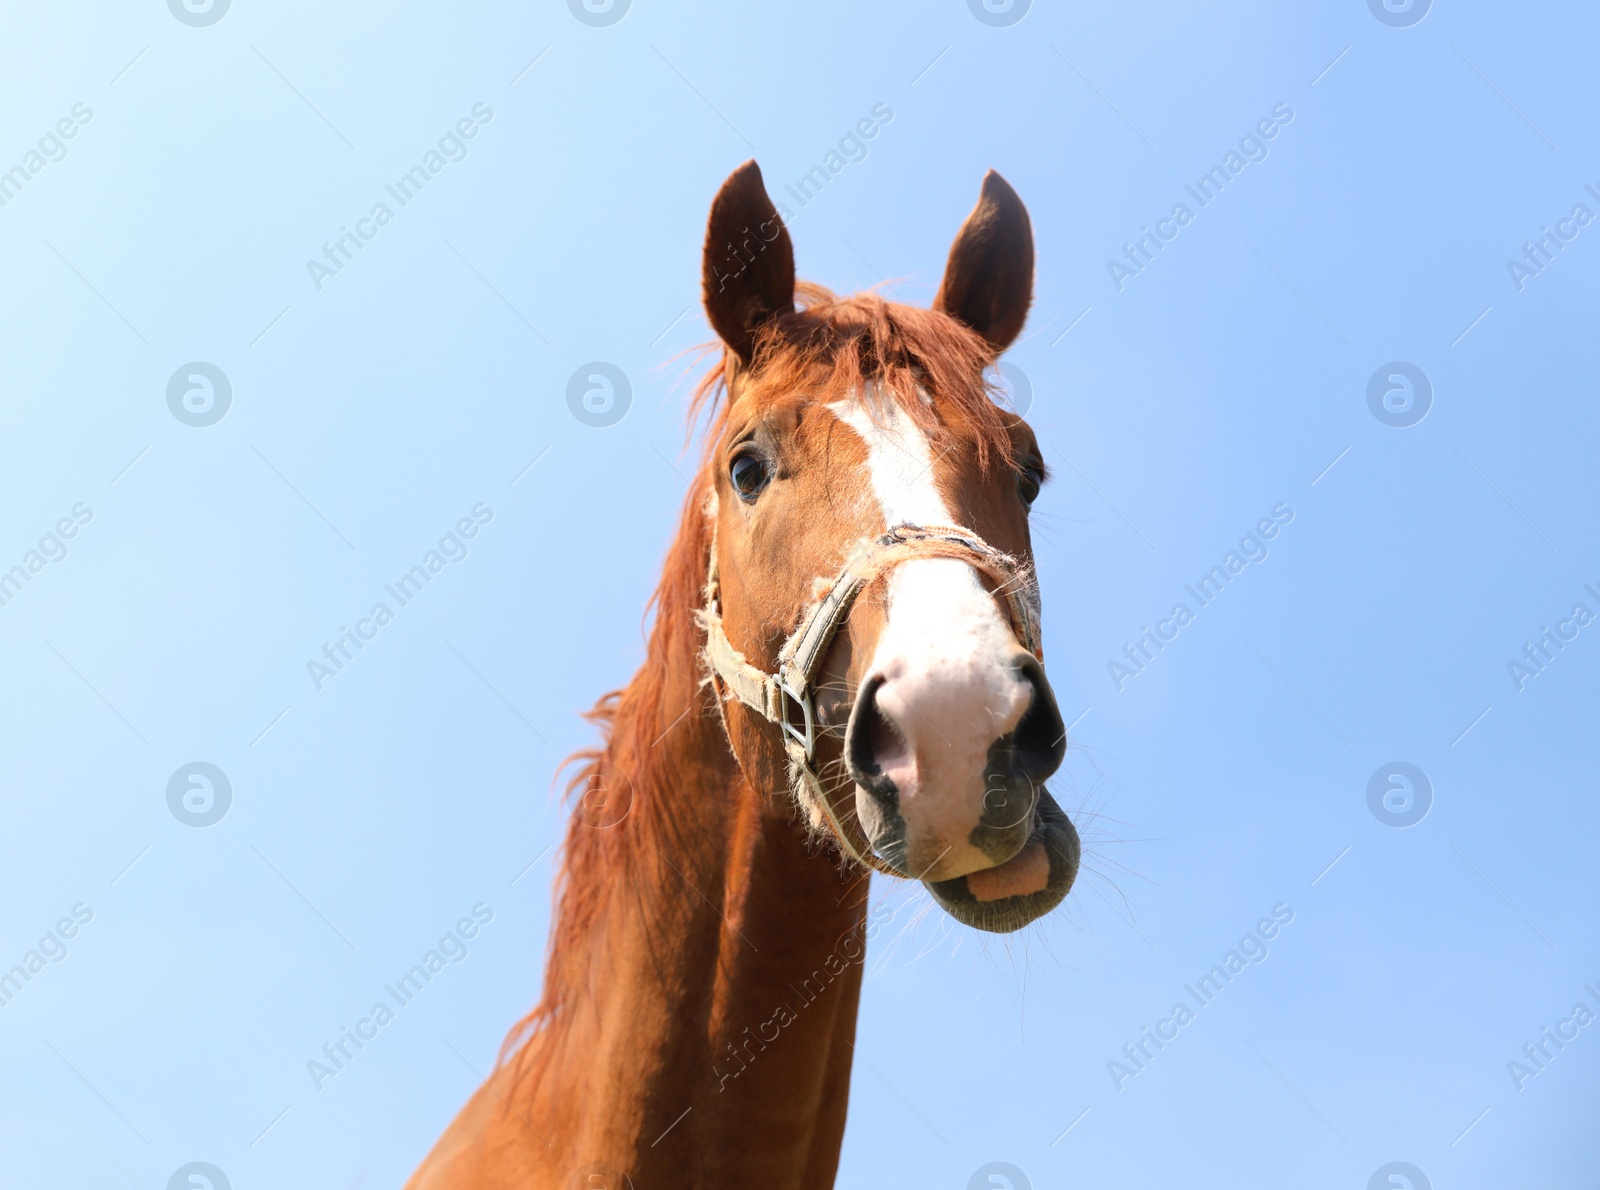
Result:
x=710 y=1013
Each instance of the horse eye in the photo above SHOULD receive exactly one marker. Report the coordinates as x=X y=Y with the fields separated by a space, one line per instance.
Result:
x=749 y=474
x=1028 y=481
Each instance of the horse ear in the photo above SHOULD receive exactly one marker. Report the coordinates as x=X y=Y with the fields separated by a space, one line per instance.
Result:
x=988 y=280
x=747 y=271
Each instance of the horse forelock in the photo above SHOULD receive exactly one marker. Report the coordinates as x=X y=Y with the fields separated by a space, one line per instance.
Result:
x=833 y=349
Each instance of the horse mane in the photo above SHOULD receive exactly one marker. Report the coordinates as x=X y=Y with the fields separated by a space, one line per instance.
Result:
x=829 y=349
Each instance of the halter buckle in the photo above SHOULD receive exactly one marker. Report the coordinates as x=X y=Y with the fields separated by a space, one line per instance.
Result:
x=806 y=739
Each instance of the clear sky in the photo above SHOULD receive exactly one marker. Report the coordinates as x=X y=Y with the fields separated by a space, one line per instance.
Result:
x=1371 y=329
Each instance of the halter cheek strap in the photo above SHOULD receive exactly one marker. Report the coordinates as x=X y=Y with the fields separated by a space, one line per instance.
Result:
x=786 y=698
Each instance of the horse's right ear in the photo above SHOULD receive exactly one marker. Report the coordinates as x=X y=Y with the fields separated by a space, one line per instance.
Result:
x=747 y=271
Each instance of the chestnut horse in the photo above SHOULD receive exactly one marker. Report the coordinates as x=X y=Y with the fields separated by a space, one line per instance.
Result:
x=843 y=674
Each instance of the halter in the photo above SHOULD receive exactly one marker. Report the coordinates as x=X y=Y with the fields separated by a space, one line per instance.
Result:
x=786 y=697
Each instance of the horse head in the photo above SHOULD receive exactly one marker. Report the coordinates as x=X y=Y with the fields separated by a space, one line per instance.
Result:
x=871 y=611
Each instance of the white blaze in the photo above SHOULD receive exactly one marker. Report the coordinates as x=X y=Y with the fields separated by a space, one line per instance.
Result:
x=898 y=461
x=945 y=652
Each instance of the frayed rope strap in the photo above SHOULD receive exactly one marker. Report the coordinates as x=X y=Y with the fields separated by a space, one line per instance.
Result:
x=786 y=698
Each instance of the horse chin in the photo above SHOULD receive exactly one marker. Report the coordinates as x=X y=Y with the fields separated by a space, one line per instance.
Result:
x=1026 y=887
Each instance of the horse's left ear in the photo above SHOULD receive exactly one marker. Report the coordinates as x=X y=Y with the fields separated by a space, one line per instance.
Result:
x=747 y=271
x=988 y=281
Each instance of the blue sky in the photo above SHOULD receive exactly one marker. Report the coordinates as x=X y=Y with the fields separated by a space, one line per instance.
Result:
x=368 y=412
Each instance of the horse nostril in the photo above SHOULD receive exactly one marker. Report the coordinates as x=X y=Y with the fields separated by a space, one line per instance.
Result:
x=1039 y=741
x=869 y=739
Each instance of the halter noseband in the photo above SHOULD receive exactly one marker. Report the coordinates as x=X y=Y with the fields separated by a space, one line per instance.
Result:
x=786 y=697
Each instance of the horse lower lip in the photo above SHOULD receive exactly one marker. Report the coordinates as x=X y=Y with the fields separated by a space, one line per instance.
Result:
x=1028 y=871
x=1011 y=898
